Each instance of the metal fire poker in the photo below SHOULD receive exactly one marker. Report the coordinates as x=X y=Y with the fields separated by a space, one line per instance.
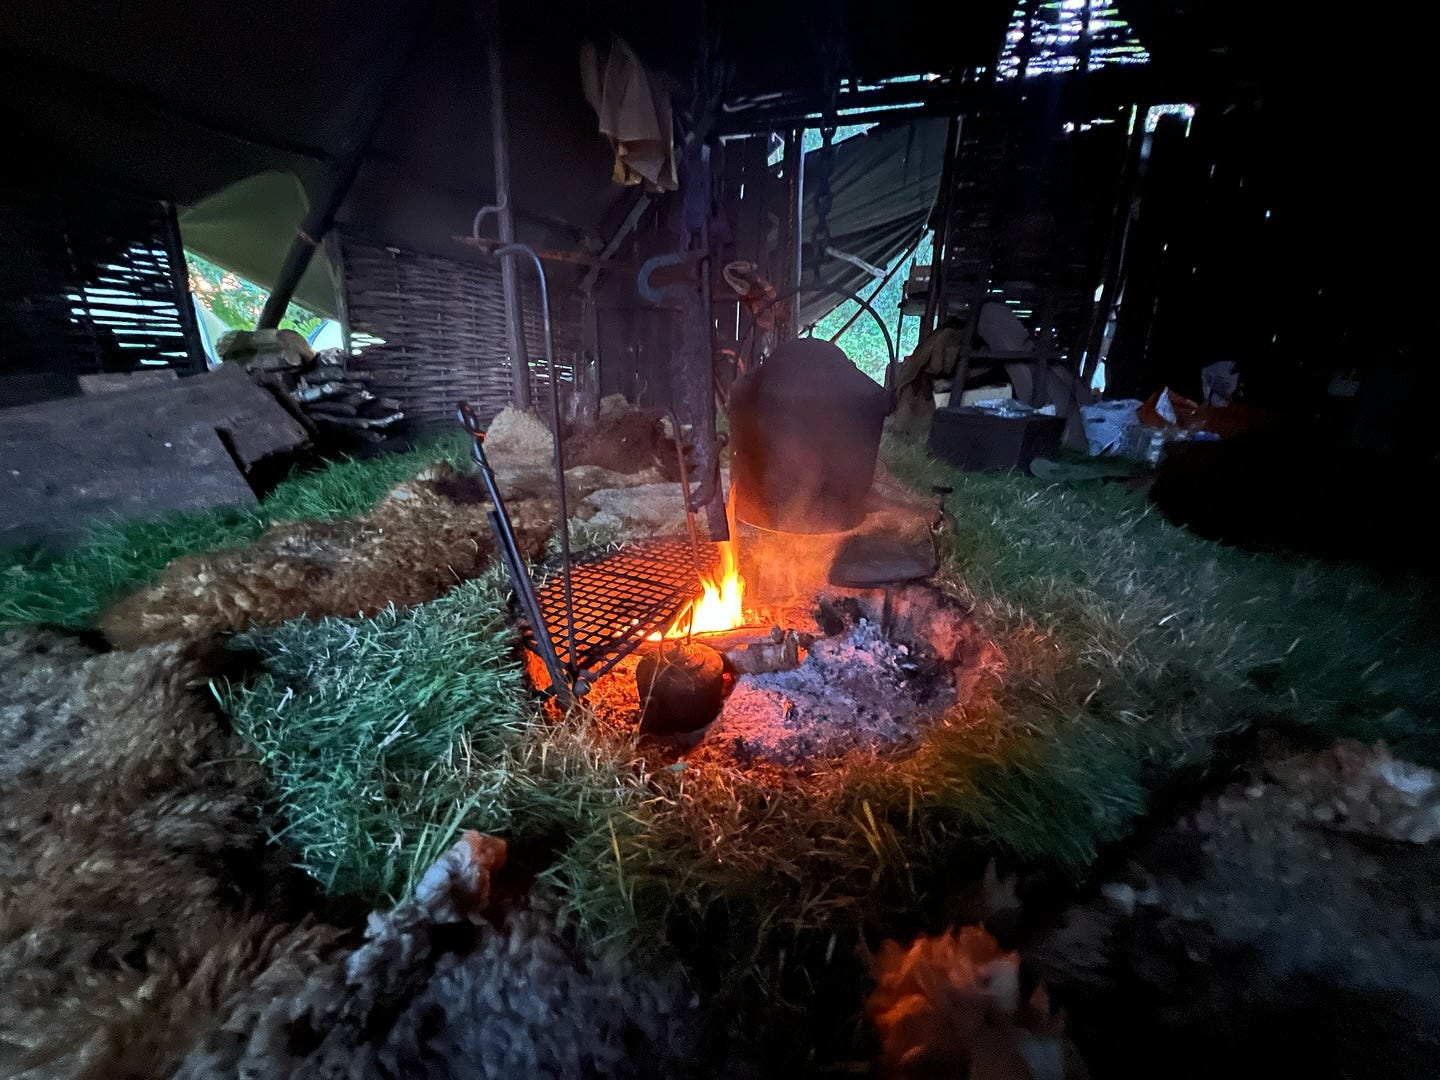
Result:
x=562 y=676
x=510 y=552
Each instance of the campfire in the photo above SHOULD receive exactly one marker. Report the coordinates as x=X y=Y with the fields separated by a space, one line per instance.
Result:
x=721 y=606
x=774 y=662
x=805 y=630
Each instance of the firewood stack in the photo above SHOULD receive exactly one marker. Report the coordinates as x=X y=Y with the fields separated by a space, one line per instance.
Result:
x=319 y=386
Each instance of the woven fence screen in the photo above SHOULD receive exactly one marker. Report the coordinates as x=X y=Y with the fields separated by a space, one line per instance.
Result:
x=430 y=331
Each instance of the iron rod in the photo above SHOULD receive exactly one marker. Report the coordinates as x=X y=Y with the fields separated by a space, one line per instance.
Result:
x=522 y=249
x=510 y=554
x=504 y=215
x=879 y=287
x=577 y=258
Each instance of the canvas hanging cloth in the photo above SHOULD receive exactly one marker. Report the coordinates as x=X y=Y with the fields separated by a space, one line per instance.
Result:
x=634 y=112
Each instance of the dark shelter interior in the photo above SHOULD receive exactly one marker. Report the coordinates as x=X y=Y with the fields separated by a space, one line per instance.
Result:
x=610 y=539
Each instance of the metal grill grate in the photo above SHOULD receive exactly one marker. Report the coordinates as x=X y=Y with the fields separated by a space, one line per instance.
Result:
x=622 y=597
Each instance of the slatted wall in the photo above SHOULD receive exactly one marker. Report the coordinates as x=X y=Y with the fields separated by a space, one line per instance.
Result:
x=91 y=280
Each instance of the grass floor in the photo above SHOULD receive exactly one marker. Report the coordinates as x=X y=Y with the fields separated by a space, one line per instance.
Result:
x=1132 y=647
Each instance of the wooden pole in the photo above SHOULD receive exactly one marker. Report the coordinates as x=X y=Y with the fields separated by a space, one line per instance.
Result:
x=504 y=212
x=1122 y=212
x=344 y=167
x=940 y=223
x=179 y=277
x=789 y=328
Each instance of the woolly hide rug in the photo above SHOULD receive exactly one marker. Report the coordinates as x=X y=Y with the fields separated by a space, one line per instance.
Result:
x=128 y=820
x=416 y=543
x=425 y=536
x=437 y=991
x=147 y=930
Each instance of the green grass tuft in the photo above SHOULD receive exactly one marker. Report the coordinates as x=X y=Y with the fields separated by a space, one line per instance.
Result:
x=384 y=737
x=379 y=735
x=1131 y=649
x=1334 y=646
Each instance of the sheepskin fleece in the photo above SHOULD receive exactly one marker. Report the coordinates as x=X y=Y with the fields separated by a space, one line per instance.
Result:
x=417 y=543
x=127 y=812
x=438 y=991
x=146 y=929
x=422 y=538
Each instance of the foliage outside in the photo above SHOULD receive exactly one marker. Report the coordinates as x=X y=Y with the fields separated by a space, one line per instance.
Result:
x=237 y=302
x=864 y=341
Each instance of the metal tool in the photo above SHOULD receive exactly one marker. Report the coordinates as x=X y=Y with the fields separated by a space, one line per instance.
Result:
x=520 y=578
x=562 y=676
x=625 y=596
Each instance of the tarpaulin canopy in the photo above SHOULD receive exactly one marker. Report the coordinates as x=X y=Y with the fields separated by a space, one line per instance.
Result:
x=247 y=228
x=182 y=102
x=883 y=185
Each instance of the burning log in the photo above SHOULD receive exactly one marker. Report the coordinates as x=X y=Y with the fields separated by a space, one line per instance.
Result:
x=780 y=652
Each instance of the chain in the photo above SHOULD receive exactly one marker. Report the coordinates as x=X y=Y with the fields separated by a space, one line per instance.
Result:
x=824 y=200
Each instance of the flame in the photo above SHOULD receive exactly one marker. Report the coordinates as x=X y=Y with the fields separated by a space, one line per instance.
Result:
x=721 y=606
x=721 y=603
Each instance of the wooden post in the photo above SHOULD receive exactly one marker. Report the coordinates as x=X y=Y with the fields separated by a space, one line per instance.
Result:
x=1122 y=212
x=940 y=223
x=184 y=303
x=344 y=167
x=504 y=212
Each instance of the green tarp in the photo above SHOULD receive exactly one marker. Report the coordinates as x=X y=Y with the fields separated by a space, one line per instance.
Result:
x=247 y=228
x=883 y=186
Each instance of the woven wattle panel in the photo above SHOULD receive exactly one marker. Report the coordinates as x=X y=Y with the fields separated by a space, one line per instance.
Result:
x=430 y=331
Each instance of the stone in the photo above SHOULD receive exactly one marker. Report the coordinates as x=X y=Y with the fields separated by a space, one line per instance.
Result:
x=517 y=441
x=181 y=445
x=265 y=350
x=1120 y=895
x=874 y=561
x=613 y=403
x=646 y=509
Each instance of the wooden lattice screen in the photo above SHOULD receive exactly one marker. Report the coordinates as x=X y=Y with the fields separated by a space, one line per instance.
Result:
x=91 y=280
x=430 y=331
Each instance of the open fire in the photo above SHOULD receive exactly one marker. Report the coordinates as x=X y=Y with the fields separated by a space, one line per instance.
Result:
x=721 y=604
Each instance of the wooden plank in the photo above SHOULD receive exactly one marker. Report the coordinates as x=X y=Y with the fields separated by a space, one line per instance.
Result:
x=135 y=453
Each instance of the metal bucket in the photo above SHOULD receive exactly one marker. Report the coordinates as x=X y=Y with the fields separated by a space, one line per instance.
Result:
x=804 y=435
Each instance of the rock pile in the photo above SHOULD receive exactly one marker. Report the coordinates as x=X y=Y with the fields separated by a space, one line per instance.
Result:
x=320 y=385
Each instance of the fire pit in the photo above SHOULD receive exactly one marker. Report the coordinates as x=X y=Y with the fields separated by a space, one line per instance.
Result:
x=856 y=690
x=812 y=681
x=825 y=652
